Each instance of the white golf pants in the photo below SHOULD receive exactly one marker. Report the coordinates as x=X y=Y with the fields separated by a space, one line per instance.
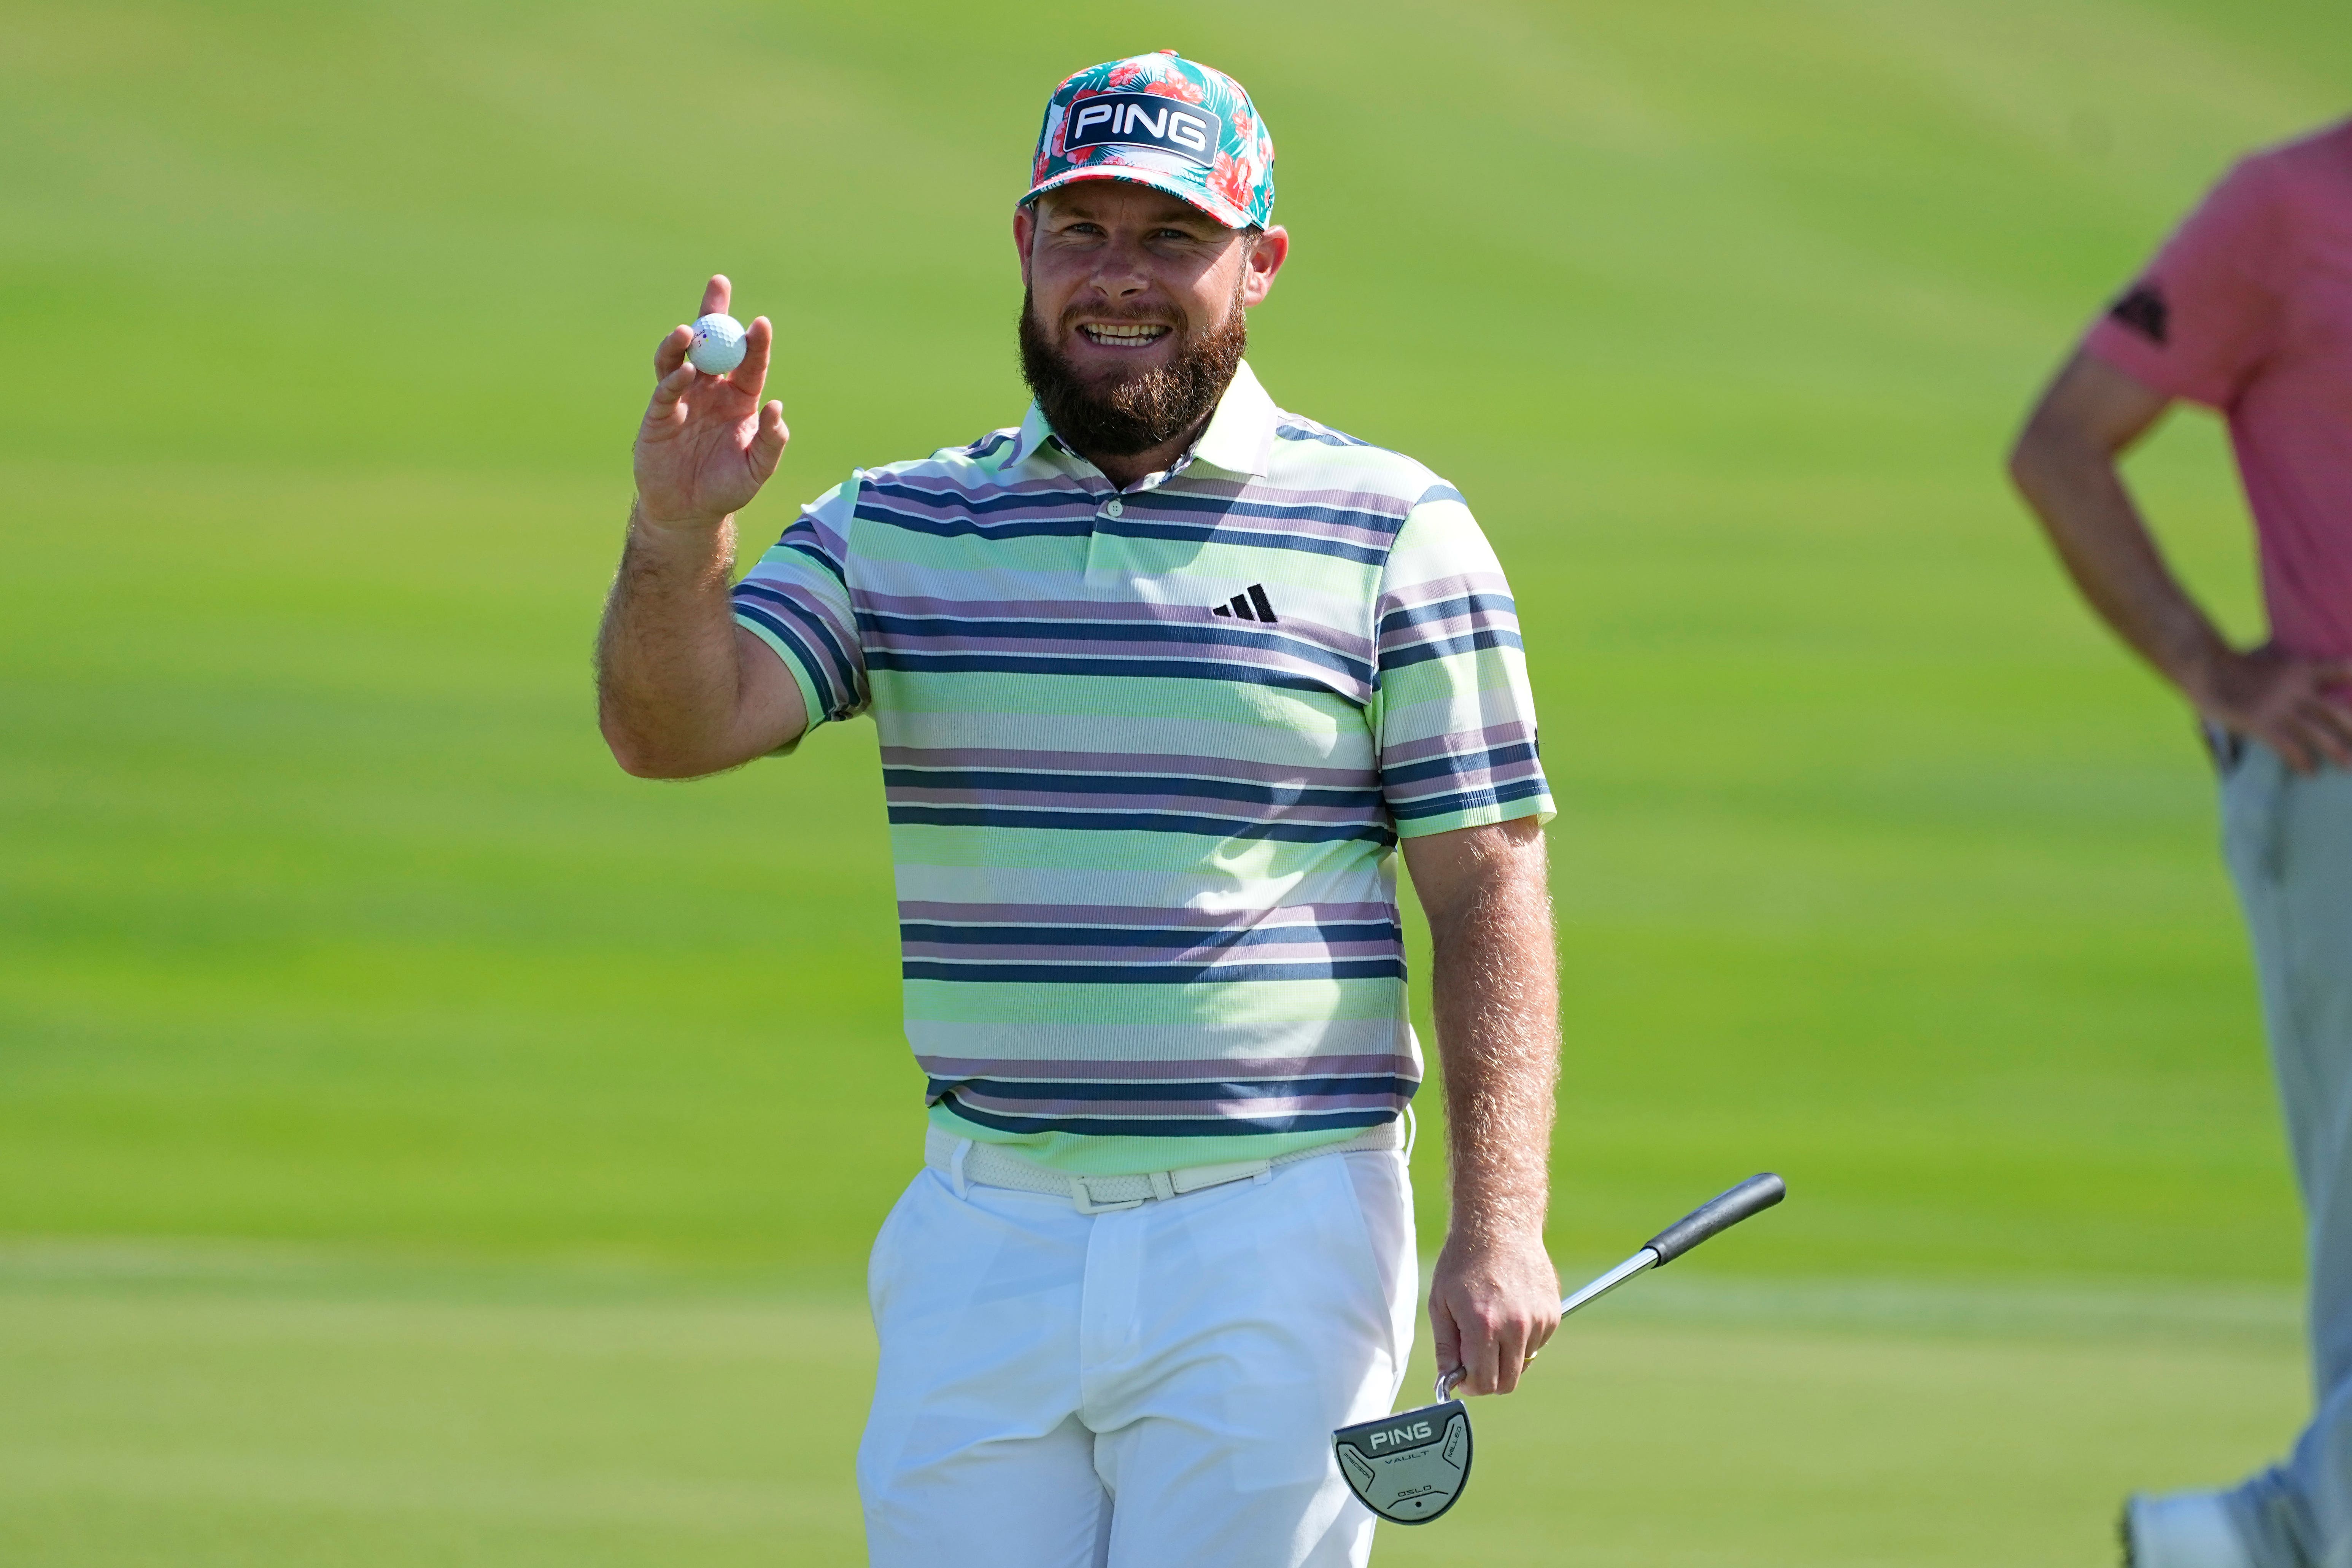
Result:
x=1152 y=1387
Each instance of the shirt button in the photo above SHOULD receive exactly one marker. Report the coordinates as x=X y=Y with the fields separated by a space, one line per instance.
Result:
x=1113 y=508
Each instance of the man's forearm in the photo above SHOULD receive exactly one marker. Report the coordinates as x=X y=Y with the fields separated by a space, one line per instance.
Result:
x=1497 y=996
x=2106 y=548
x=1493 y=1298
x=2066 y=465
x=669 y=674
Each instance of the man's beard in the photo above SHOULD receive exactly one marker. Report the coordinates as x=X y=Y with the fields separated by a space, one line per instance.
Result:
x=1135 y=413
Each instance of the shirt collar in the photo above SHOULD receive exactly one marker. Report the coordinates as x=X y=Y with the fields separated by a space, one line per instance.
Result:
x=1034 y=439
x=1239 y=439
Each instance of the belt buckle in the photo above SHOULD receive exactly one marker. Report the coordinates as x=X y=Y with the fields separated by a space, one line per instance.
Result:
x=1082 y=1198
x=1198 y=1178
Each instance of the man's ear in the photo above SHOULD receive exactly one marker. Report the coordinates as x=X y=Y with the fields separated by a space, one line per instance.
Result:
x=1024 y=230
x=1264 y=260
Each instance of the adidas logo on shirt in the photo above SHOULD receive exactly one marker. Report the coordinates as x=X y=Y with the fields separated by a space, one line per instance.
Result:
x=1250 y=607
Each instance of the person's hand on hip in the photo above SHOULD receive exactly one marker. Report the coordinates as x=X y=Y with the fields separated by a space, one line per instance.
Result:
x=2300 y=709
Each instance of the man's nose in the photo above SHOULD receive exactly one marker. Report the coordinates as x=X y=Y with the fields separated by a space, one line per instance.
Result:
x=1120 y=269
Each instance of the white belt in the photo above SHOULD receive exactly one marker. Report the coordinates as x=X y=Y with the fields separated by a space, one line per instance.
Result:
x=961 y=1161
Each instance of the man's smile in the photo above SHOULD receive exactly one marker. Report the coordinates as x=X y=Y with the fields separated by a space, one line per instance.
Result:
x=1123 y=334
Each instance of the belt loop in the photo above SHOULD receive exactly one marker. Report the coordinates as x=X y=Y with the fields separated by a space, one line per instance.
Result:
x=1411 y=1131
x=1163 y=1185
x=955 y=1165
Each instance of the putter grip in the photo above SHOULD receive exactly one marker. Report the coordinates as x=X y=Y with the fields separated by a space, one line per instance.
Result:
x=1753 y=1195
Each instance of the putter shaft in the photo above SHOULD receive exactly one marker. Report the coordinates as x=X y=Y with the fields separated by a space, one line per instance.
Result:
x=1645 y=1258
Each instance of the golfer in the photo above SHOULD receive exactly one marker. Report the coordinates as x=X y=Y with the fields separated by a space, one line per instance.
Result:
x=1163 y=675
x=2248 y=309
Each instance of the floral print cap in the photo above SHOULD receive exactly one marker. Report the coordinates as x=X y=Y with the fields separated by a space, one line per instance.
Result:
x=1162 y=120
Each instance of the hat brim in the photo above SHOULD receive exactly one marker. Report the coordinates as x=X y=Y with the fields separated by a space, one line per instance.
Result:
x=1192 y=195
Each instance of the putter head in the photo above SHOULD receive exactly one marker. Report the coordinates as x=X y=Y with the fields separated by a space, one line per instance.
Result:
x=1409 y=1466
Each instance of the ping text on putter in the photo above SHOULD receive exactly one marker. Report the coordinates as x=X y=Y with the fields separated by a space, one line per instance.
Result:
x=1411 y=1466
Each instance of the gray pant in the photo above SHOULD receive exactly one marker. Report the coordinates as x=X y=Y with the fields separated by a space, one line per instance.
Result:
x=2289 y=842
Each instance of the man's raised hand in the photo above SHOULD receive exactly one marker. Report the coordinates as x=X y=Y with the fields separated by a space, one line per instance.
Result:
x=708 y=444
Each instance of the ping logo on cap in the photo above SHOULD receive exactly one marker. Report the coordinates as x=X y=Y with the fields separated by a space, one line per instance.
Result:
x=1146 y=119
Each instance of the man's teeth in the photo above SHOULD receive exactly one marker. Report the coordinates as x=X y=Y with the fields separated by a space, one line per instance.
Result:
x=1134 y=336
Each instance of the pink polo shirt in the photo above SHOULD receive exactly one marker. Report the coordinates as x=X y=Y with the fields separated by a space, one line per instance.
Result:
x=2248 y=309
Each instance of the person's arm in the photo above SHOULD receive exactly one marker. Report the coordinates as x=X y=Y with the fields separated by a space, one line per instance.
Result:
x=1495 y=1298
x=2065 y=464
x=683 y=691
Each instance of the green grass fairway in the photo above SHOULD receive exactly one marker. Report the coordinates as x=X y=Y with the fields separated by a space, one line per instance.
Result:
x=328 y=931
x=201 y=1409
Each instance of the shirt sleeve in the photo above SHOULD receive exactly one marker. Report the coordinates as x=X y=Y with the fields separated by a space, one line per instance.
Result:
x=1452 y=714
x=2204 y=316
x=796 y=600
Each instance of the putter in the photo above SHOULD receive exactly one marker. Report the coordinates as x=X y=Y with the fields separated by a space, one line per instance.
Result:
x=1411 y=1466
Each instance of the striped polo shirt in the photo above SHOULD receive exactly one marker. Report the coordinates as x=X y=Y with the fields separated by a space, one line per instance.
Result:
x=1147 y=754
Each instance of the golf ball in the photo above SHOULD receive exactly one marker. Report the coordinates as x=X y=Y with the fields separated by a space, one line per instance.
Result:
x=717 y=345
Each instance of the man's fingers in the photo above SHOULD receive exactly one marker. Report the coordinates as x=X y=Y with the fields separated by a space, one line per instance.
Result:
x=2335 y=698
x=1482 y=1354
x=768 y=442
x=1445 y=1339
x=670 y=352
x=2328 y=710
x=751 y=375
x=2285 y=738
x=1513 y=1340
x=715 y=295
x=2328 y=729
x=1506 y=1369
x=671 y=387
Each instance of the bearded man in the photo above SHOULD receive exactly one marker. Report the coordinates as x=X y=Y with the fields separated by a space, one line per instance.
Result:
x=1163 y=677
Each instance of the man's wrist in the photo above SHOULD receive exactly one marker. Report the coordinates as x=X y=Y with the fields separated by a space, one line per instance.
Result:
x=643 y=516
x=2198 y=665
x=1488 y=1230
x=2223 y=684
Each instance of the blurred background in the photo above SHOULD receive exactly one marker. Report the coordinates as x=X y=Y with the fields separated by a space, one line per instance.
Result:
x=420 y=1143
